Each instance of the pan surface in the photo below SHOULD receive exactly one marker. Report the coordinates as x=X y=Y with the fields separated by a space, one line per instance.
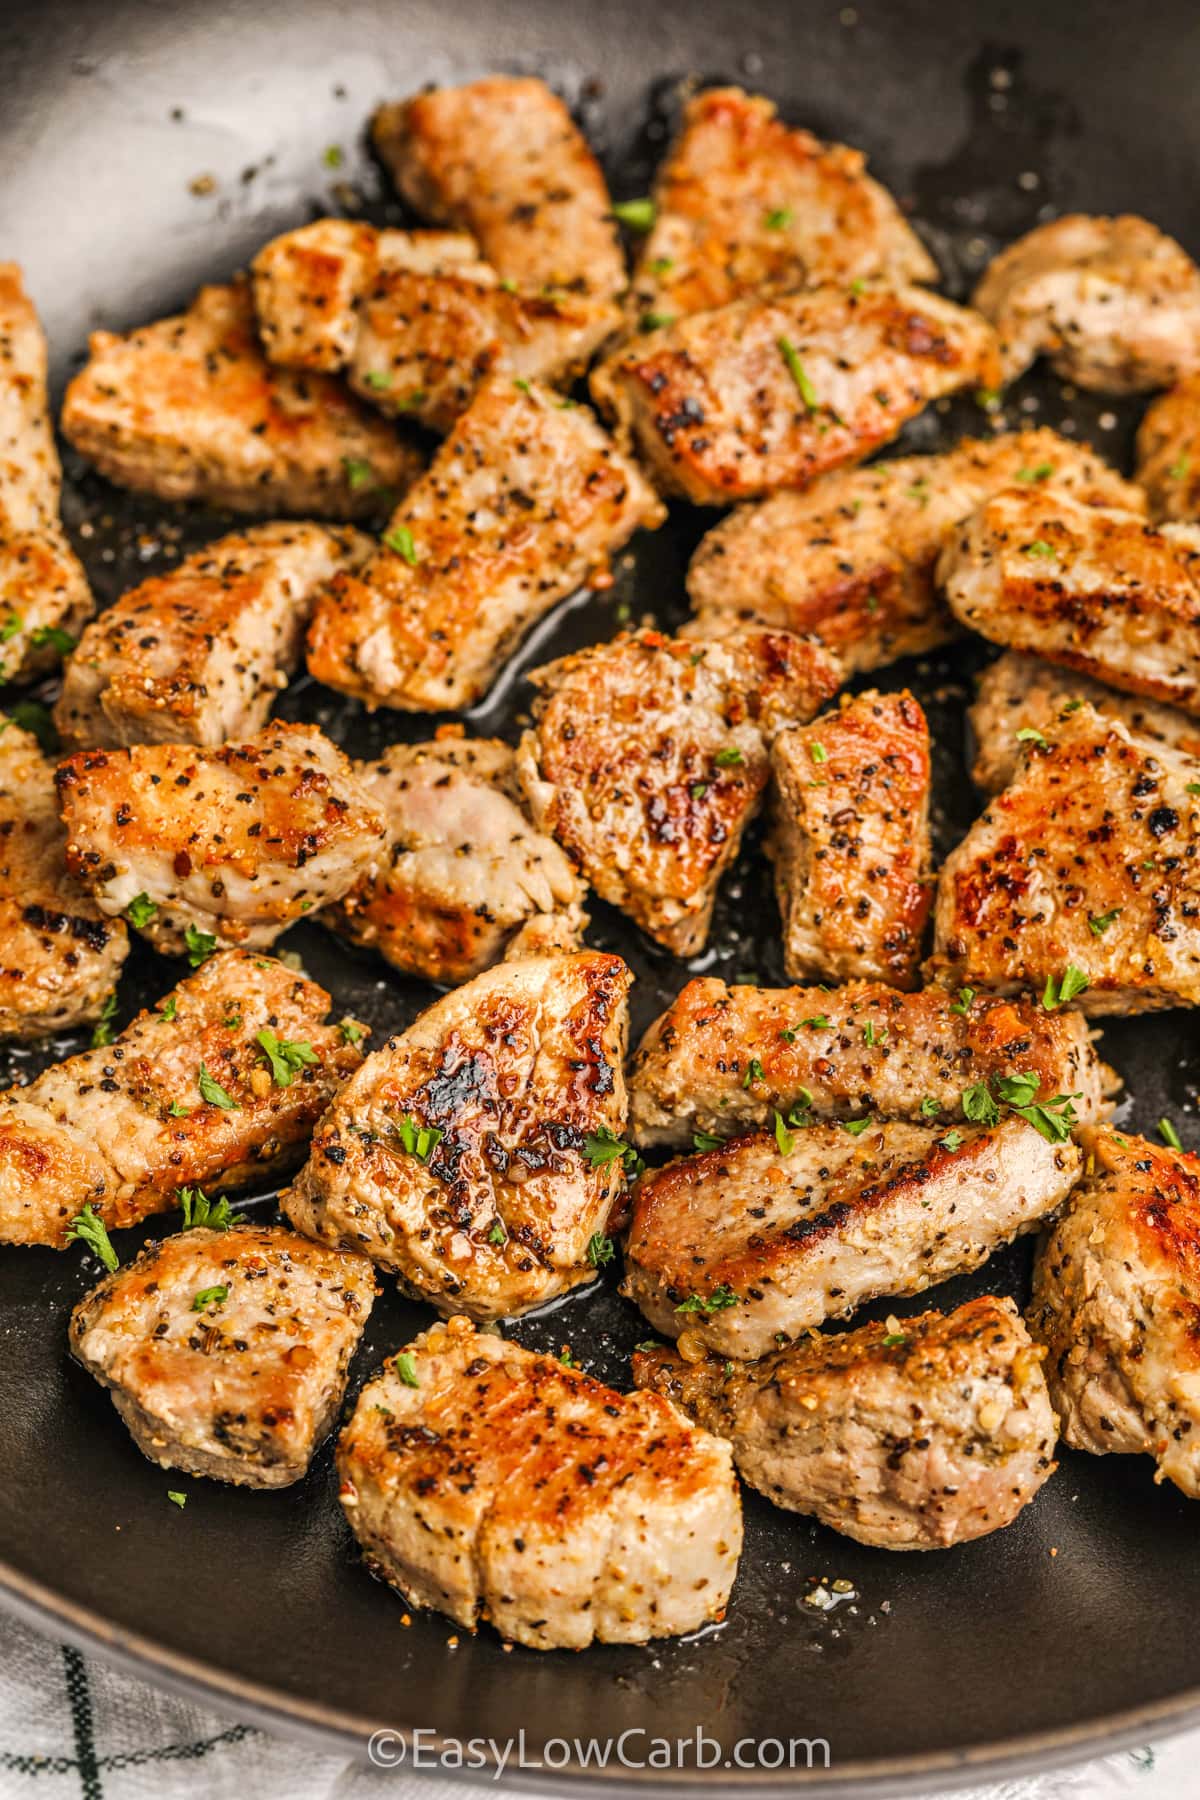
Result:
x=148 y=146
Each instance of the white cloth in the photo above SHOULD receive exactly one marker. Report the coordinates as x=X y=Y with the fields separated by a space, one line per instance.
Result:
x=73 y=1729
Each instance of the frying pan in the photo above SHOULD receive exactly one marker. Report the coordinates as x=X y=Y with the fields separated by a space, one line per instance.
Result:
x=151 y=144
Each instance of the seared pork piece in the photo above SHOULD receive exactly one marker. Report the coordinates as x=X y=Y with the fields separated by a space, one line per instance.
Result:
x=852 y=560
x=1087 y=861
x=188 y=408
x=197 y=656
x=910 y=1435
x=241 y=841
x=850 y=840
x=1089 y=587
x=500 y=1486
x=1023 y=693
x=648 y=760
x=757 y=1242
x=413 y=318
x=503 y=159
x=44 y=595
x=524 y=500
x=765 y=394
x=747 y=205
x=1116 y=1288
x=1168 y=452
x=1114 y=303
x=722 y=1059
x=59 y=956
x=465 y=872
x=186 y=1096
x=477 y=1154
x=227 y=1352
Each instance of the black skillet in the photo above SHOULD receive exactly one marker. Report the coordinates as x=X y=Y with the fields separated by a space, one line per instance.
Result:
x=149 y=144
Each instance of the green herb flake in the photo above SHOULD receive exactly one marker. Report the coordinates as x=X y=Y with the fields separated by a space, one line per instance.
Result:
x=1061 y=989
x=352 y=1032
x=817 y=753
x=400 y=539
x=406 y=1368
x=521 y=385
x=102 y=1031
x=498 y=1235
x=978 y=1104
x=635 y=215
x=1029 y=735
x=87 y=1227
x=795 y=369
x=1098 y=923
x=894 y=1339
x=379 y=379
x=856 y=1127
x=140 y=911
x=166 y=1011
x=286 y=1056
x=783 y=1136
x=1193 y=787
x=754 y=1072
x=198 y=1210
x=1169 y=1134
x=930 y=1108
x=1039 y=547
x=662 y=265
x=359 y=473
x=962 y=1005
x=952 y=1141
x=200 y=945
x=53 y=637
x=720 y=1298
x=600 y=1250
x=818 y=1022
x=778 y=218
x=1041 y=472
x=333 y=157
x=729 y=758
x=212 y=1092
x=704 y=1140
x=1179 y=470
x=418 y=1140
x=653 y=321
x=210 y=1296
x=177 y=1497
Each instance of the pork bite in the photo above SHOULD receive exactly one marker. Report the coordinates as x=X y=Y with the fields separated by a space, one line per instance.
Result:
x=724 y=1059
x=649 y=757
x=220 y=1084
x=527 y=497
x=44 y=594
x=765 y=394
x=198 y=656
x=850 y=840
x=1092 y=588
x=1113 y=302
x=501 y=1487
x=188 y=408
x=913 y=1434
x=1023 y=694
x=745 y=204
x=414 y=319
x=226 y=1352
x=852 y=559
x=503 y=159
x=465 y=873
x=477 y=1155
x=1168 y=452
x=61 y=957
x=239 y=842
x=1116 y=1288
x=753 y=1244
x=1080 y=880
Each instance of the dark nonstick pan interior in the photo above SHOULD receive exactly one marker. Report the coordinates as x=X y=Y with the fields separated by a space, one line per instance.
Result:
x=148 y=146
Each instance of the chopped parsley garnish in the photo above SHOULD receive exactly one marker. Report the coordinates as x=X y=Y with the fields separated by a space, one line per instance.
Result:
x=952 y=1141
x=359 y=473
x=212 y=1091
x=198 y=1210
x=704 y=1140
x=1039 y=473
x=1052 y=1118
x=566 y=1358
x=177 y=1497
x=1039 y=547
x=1028 y=734
x=140 y=911
x=873 y=1036
x=729 y=757
x=818 y=753
x=652 y=321
x=521 y=385
x=778 y=218
x=894 y=1339
x=637 y=215
x=379 y=379
x=213 y=1296
x=717 y=1301
x=698 y=790
x=233 y=1018
x=352 y=1032
x=856 y=1127
x=175 y=1111
x=200 y=945
x=795 y=369
x=87 y=1227
x=400 y=539
x=53 y=636
x=818 y=1022
x=600 y=1250
x=498 y=1235
x=418 y=1140
x=1193 y=787
x=930 y=1108
x=603 y=1147
x=978 y=1104
x=962 y=1005
x=286 y=1056
x=662 y=265
x=754 y=1072
x=166 y=1011
x=33 y=716
x=1060 y=989
x=406 y=1368
x=10 y=627
x=1169 y=1134
x=1098 y=923
x=102 y=1031
x=783 y=1136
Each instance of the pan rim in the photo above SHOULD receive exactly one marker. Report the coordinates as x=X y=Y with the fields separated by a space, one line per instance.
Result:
x=332 y=1728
